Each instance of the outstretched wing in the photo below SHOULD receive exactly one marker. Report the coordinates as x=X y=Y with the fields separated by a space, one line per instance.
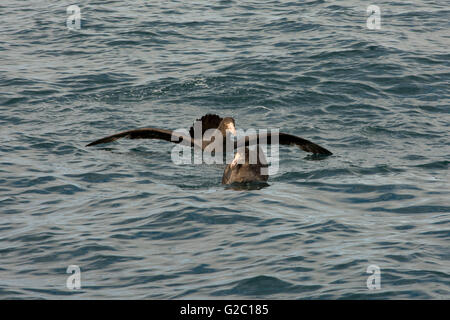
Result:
x=145 y=133
x=284 y=139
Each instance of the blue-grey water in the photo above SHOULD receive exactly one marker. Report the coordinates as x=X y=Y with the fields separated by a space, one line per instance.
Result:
x=139 y=226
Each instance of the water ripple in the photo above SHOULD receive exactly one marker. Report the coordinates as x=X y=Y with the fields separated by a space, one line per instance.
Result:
x=141 y=227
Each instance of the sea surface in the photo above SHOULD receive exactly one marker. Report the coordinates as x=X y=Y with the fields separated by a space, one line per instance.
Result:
x=141 y=227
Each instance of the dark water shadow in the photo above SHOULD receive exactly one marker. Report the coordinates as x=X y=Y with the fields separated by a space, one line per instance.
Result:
x=315 y=157
x=248 y=186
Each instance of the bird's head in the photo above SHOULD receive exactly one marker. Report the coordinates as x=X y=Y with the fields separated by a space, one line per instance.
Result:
x=227 y=124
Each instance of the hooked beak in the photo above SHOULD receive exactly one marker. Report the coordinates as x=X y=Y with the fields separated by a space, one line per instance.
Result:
x=231 y=128
x=236 y=159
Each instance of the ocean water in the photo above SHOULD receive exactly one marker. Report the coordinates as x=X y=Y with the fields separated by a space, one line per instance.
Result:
x=140 y=227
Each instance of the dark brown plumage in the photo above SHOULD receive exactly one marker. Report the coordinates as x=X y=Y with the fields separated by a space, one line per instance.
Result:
x=144 y=133
x=234 y=172
x=246 y=172
x=285 y=139
x=209 y=121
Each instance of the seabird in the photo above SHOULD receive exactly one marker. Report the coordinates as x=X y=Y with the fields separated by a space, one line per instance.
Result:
x=242 y=170
x=209 y=121
x=235 y=172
